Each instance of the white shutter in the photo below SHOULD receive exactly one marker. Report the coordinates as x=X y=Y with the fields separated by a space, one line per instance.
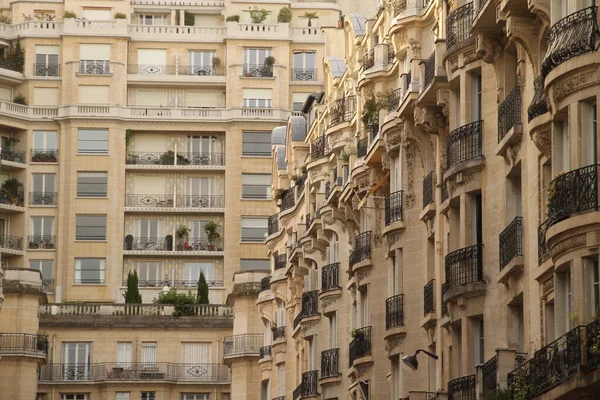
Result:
x=257 y=93
x=256 y=179
x=150 y=142
x=93 y=94
x=124 y=353
x=196 y=353
x=152 y=57
x=587 y=134
x=94 y=51
x=202 y=99
x=46 y=49
x=45 y=96
x=254 y=222
x=5 y=93
x=152 y=98
x=97 y=14
x=149 y=353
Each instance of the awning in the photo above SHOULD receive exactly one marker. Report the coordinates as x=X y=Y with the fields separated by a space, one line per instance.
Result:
x=373 y=190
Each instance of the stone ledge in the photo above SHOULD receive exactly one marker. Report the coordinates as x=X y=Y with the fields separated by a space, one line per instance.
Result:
x=512 y=136
x=429 y=320
x=513 y=268
x=476 y=163
x=467 y=290
x=134 y=321
x=330 y=380
x=394 y=331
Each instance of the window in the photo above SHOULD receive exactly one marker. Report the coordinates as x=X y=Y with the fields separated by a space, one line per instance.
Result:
x=46 y=60
x=264 y=390
x=191 y=273
x=149 y=353
x=194 y=353
x=476 y=93
x=153 y=19
x=478 y=341
x=254 y=264
x=148 y=395
x=94 y=59
x=90 y=227
x=92 y=184
x=257 y=98
x=254 y=63
x=195 y=396
x=205 y=150
x=201 y=194
x=333 y=330
x=201 y=62
x=74 y=396
x=594 y=280
x=90 y=271
x=281 y=379
x=44 y=146
x=304 y=66
x=93 y=141
x=44 y=266
x=298 y=100
x=122 y=396
x=151 y=62
x=588 y=134
x=41 y=233
x=124 y=354
x=255 y=186
x=256 y=144
x=76 y=360
x=149 y=273
x=149 y=228
x=254 y=229
x=44 y=190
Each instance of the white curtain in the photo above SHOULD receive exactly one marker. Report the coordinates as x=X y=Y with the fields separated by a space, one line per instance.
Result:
x=149 y=353
x=124 y=354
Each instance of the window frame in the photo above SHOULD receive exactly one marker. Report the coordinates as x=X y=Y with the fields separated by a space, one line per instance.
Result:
x=81 y=141
x=92 y=194
x=87 y=237
x=101 y=280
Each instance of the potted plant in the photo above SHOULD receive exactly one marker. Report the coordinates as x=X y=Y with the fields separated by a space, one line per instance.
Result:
x=20 y=99
x=310 y=16
x=69 y=14
x=183 y=234
x=357 y=335
x=12 y=189
x=278 y=194
x=233 y=18
x=212 y=234
x=189 y=19
x=258 y=16
x=215 y=63
x=128 y=135
x=168 y=158
x=269 y=62
x=33 y=245
x=285 y=15
x=120 y=15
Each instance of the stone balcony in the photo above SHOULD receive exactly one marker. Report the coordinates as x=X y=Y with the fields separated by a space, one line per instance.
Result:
x=174 y=33
x=82 y=27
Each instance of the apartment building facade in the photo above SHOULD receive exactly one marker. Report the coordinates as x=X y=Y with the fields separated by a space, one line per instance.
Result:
x=126 y=128
x=440 y=196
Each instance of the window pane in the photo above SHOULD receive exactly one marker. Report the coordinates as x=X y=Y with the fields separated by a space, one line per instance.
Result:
x=91 y=227
x=90 y=270
x=93 y=141
x=92 y=184
x=256 y=144
x=253 y=264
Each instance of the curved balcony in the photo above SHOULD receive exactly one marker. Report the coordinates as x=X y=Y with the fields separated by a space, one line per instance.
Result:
x=309 y=385
x=509 y=113
x=428 y=298
x=429 y=71
x=463 y=268
x=279 y=333
x=462 y=388
x=429 y=189
x=360 y=346
x=394 y=311
x=265 y=351
x=330 y=363
x=393 y=207
x=280 y=261
x=265 y=283
x=463 y=144
x=368 y=60
x=362 y=249
x=458 y=28
x=287 y=200
x=342 y=110
x=248 y=344
x=318 y=148
x=570 y=37
x=23 y=343
x=330 y=277
x=361 y=147
x=539 y=103
x=273 y=224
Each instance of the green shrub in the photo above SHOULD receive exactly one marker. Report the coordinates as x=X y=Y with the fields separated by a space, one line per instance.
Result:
x=233 y=18
x=258 y=16
x=69 y=14
x=285 y=15
x=183 y=302
x=120 y=15
x=20 y=99
x=189 y=19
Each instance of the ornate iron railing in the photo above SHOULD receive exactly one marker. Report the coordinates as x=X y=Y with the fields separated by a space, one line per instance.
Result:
x=47 y=242
x=46 y=69
x=279 y=333
x=572 y=36
x=265 y=283
x=539 y=103
x=146 y=243
x=360 y=346
x=169 y=158
x=44 y=155
x=11 y=64
x=394 y=311
x=310 y=384
x=195 y=158
x=464 y=266
x=152 y=69
x=429 y=189
x=511 y=242
x=393 y=207
x=149 y=200
x=304 y=74
x=330 y=277
x=94 y=67
x=11 y=199
x=342 y=110
x=297 y=392
x=489 y=372
x=42 y=198
x=509 y=112
x=394 y=100
x=273 y=224
x=429 y=298
x=330 y=363
x=287 y=199
x=592 y=342
x=444 y=303
x=23 y=343
x=198 y=244
x=265 y=351
x=280 y=261
x=361 y=147
x=16 y=156
x=462 y=388
x=144 y=158
x=310 y=303
x=257 y=71
x=48 y=285
x=573 y=192
x=318 y=148
x=543 y=251
x=482 y=4
x=458 y=26
x=464 y=144
x=362 y=248
x=247 y=344
x=200 y=201
x=11 y=242
x=429 y=70
x=399 y=7
x=391 y=54
x=368 y=60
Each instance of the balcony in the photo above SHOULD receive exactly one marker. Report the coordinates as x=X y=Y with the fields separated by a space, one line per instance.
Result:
x=509 y=113
x=310 y=304
x=265 y=352
x=13 y=156
x=170 y=202
x=41 y=242
x=429 y=189
x=362 y=145
x=429 y=71
x=10 y=65
x=273 y=224
x=464 y=267
x=362 y=249
x=394 y=100
x=94 y=67
x=360 y=346
x=543 y=251
x=368 y=60
x=330 y=363
x=23 y=344
x=257 y=71
x=428 y=298
x=265 y=283
x=539 y=103
x=172 y=372
x=280 y=261
x=12 y=201
x=572 y=193
x=248 y=344
x=11 y=244
x=48 y=286
x=394 y=311
x=279 y=333
x=342 y=110
x=463 y=144
x=330 y=277
x=42 y=198
x=463 y=388
x=489 y=375
x=46 y=69
x=304 y=74
x=175 y=33
x=458 y=28
x=184 y=159
x=310 y=384
x=393 y=207
x=159 y=245
x=185 y=70
x=511 y=242
x=318 y=148
x=288 y=200
x=570 y=37
x=173 y=281
x=44 y=155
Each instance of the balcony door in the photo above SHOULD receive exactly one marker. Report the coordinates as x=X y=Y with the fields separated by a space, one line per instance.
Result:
x=46 y=60
x=201 y=62
x=42 y=228
x=43 y=188
x=149 y=355
x=149 y=229
x=203 y=148
x=191 y=273
x=196 y=356
x=76 y=361
x=152 y=62
x=44 y=140
x=124 y=354
x=200 y=191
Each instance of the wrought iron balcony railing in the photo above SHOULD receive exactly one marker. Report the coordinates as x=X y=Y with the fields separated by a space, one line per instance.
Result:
x=511 y=242
x=393 y=207
x=429 y=298
x=304 y=74
x=458 y=26
x=361 y=147
x=273 y=224
x=288 y=199
x=360 y=346
x=257 y=71
x=94 y=67
x=10 y=64
x=48 y=285
x=429 y=70
x=429 y=189
x=318 y=148
x=368 y=60
x=394 y=311
x=146 y=243
x=42 y=198
x=16 y=156
x=23 y=343
x=543 y=251
x=46 y=69
x=161 y=69
x=391 y=54
x=265 y=351
x=47 y=242
x=330 y=363
x=246 y=344
x=342 y=110
x=464 y=144
x=197 y=244
x=509 y=112
x=280 y=261
x=574 y=35
x=394 y=100
x=279 y=333
x=463 y=388
x=539 y=103
x=489 y=372
x=200 y=201
x=310 y=384
x=310 y=303
x=169 y=158
x=362 y=248
x=464 y=266
x=44 y=155
x=265 y=283
x=11 y=199
x=176 y=283
x=330 y=277
x=572 y=193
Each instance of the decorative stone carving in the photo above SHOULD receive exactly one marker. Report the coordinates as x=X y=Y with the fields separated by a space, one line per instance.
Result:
x=390 y=345
x=360 y=371
x=315 y=172
x=306 y=326
x=542 y=140
x=392 y=239
x=547 y=286
x=568 y=244
x=308 y=248
x=571 y=84
x=328 y=302
x=409 y=194
x=487 y=49
x=400 y=39
x=510 y=156
x=415 y=47
x=363 y=274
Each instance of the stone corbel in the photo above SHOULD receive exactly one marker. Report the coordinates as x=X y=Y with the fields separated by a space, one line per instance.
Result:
x=542 y=140
x=443 y=100
x=526 y=32
x=488 y=49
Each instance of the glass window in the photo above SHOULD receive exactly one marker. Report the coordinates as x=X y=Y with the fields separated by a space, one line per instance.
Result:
x=154 y=19
x=90 y=271
x=256 y=56
x=93 y=141
x=148 y=395
x=90 y=227
x=254 y=229
x=149 y=353
x=201 y=62
x=41 y=235
x=191 y=273
x=304 y=60
x=44 y=266
x=123 y=396
x=249 y=264
x=74 y=396
x=257 y=144
x=256 y=186
x=46 y=64
x=149 y=273
x=257 y=103
x=44 y=140
x=195 y=396
x=92 y=184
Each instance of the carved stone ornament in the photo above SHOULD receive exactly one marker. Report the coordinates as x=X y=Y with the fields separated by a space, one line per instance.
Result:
x=471 y=57
x=392 y=239
x=511 y=153
x=542 y=140
x=487 y=49
x=361 y=371
x=306 y=326
x=568 y=244
x=571 y=84
x=390 y=345
x=547 y=286
x=308 y=248
x=400 y=39
x=363 y=274
x=415 y=47
x=329 y=301
x=315 y=172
